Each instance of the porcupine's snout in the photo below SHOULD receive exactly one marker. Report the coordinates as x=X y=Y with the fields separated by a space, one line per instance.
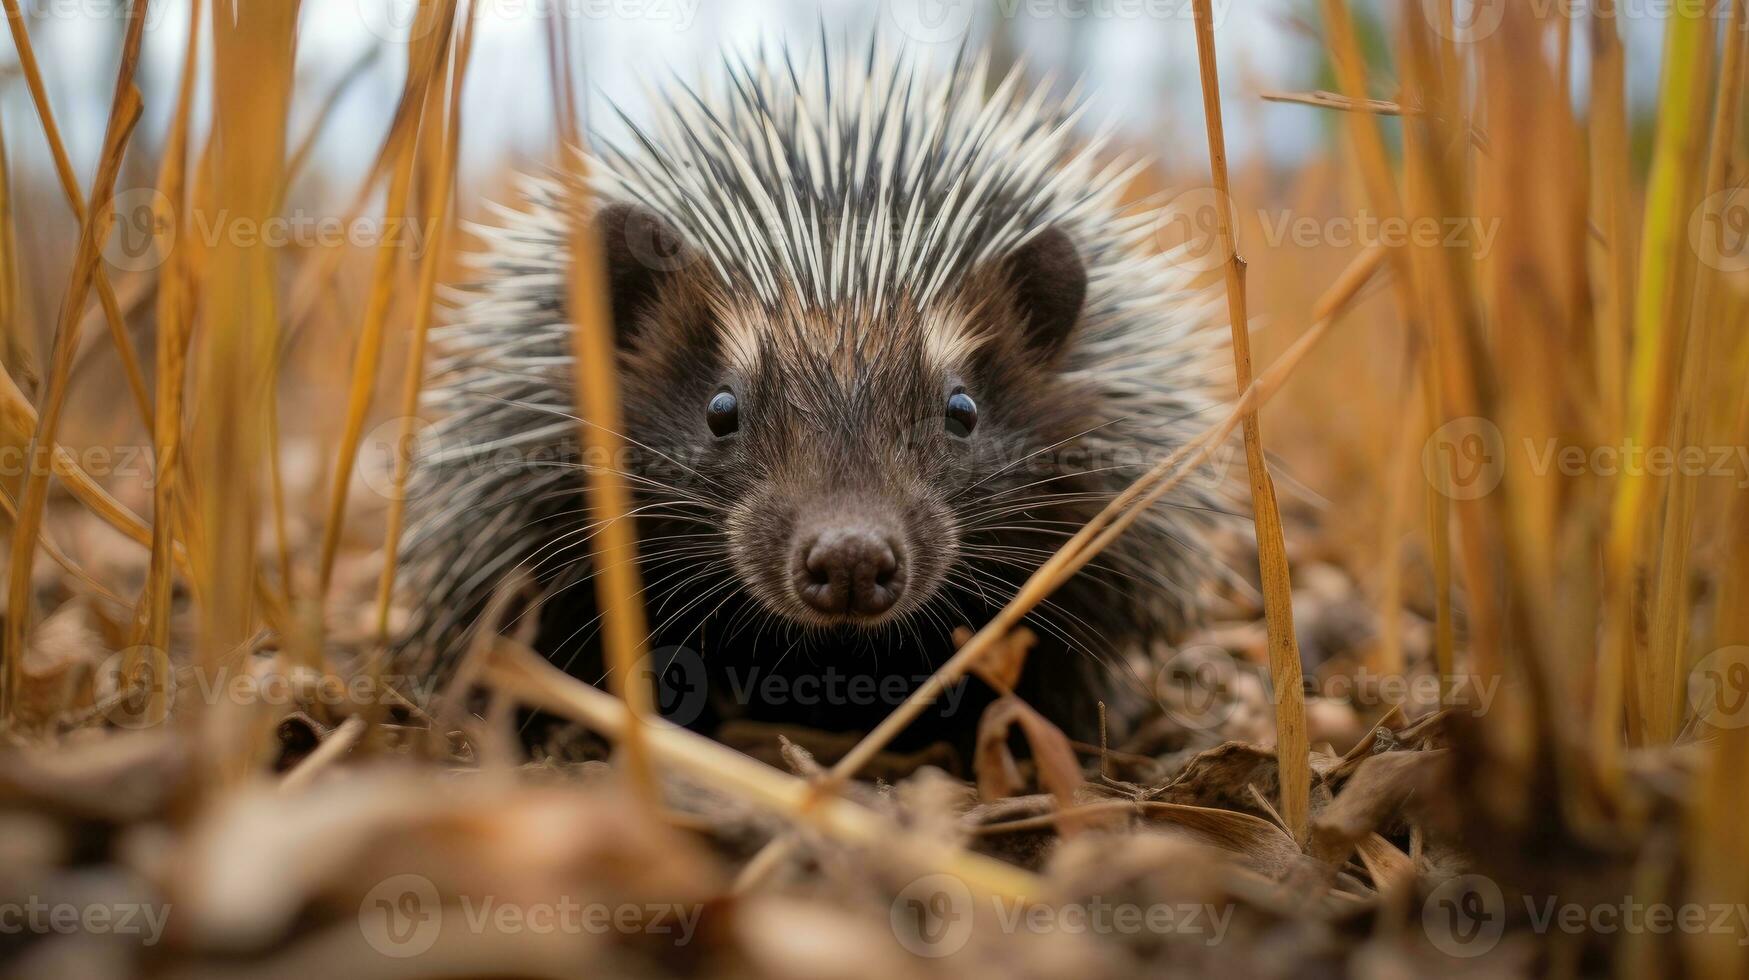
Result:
x=851 y=571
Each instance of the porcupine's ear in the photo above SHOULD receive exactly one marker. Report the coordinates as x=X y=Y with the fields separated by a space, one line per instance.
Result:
x=1049 y=284
x=643 y=253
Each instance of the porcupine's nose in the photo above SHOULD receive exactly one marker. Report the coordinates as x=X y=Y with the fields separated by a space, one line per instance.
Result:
x=849 y=571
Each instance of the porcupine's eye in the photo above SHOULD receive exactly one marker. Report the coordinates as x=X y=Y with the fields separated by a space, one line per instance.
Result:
x=962 y=414
x=723 y=415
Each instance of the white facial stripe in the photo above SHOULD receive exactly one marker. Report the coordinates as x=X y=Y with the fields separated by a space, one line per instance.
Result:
x=951 y=337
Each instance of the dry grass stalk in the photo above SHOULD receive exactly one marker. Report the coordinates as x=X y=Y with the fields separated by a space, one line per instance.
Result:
x=1672 y=610
x=430 y=30
x=520 y=672
x=333 y=748
x=81 y=577
x=1612 y=191
x=19 y=421
x=1346 y=101
x=1716 y=828
x=439 y=193
x=567 y=107
x=17 y=346
x=124 y=114
x=175 y=320
x=1535 y=283
x=235 y=353
x=1717 y=831
x=618 y=588
x=1660 y=330
x=1292 y=749
x=1436 y=179
x=1612 y=188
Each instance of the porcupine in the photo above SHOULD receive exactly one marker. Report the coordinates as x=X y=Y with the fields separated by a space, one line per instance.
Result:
x=886 y=339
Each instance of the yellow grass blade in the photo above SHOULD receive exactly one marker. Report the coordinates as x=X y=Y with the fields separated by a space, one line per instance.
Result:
x=1291 y=748
x=1660 y=331
x=594 y=349
x=1672 y=609
x=436 y=211
x=175 y=312
x=17 y=346
x=253 y=47
x=432 y=30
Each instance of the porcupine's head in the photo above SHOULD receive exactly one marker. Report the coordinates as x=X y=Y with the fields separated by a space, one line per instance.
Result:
x=884 y=342
x=843 y=437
